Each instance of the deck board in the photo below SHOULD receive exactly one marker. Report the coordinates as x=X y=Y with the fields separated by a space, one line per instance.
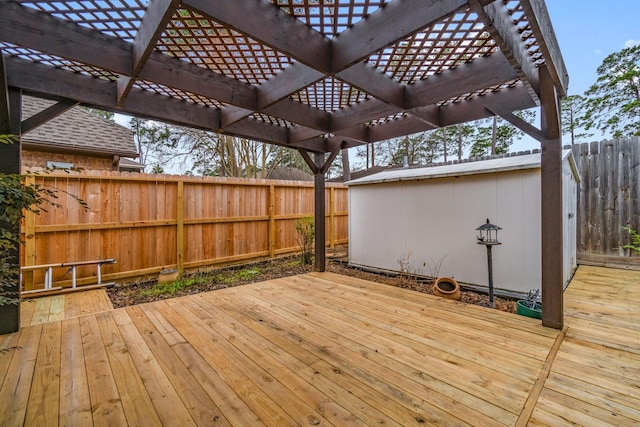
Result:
x=595 y=379
x=325 y=349
x=45 y=309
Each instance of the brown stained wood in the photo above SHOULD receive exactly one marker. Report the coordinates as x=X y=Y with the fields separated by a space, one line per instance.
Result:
x=385 y=27
x=541 y=26
x=499 y=25
x=551 y=204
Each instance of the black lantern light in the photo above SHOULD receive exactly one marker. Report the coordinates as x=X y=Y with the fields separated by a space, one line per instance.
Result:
x=489 y=237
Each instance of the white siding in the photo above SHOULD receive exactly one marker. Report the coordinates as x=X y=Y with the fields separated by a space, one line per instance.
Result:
x=426 y=221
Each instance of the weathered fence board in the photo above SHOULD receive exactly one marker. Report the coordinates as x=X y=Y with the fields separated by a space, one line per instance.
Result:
x=152 y=222
x=609 y=197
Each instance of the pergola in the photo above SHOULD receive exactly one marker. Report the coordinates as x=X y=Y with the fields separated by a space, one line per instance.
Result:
x=314 y=75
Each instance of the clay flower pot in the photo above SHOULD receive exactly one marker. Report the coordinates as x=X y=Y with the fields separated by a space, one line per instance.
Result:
x=168 y=276
x=447 y=287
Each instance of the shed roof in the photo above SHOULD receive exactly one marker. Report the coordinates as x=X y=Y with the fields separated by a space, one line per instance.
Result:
x=77 y=131
x=495 y=165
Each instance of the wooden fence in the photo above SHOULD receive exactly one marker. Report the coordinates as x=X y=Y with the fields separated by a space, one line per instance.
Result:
x=153 y=222
x=609 y=199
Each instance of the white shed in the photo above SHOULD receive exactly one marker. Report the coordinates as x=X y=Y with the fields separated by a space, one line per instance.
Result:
x=424 y=220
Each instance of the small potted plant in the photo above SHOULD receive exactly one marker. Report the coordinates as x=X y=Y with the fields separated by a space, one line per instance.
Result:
x=531 y=307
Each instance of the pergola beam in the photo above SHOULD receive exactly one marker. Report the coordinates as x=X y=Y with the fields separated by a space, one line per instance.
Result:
x=37 y=78
x=465 y=78
x=5 y=110
x=23 y=26
x=47 y=114
x=153 y=23
x=385 y=26
x=516 y=121
x=499 y=24
x=538 y=18
x=365 y=77
x=270 y=25
x=551 y=203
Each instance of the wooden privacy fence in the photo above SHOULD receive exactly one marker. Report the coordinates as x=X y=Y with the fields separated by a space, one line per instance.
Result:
x=609 y=199
x=153 y=222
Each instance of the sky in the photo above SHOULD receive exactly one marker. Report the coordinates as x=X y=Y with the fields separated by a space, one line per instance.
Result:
x=587 y=32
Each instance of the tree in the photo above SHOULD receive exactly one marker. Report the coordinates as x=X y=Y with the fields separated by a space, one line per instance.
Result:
x=152 y=140
x=613 y=103
x=495 y=135
x=17 y=198
x=573 y=110
x=107 y=115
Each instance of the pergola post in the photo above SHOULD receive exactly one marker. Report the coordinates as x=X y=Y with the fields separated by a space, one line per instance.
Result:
x=551 y=217
x=319 y=210
x=10 y=108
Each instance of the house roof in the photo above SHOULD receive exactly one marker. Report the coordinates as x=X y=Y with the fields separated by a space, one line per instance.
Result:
x=290 y=174
x=494 y=165
x=297 y=73
x=128 y=164
x=76 y=131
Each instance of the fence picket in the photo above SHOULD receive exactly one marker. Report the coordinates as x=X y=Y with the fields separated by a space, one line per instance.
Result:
x=151 y=222
x=609 y=197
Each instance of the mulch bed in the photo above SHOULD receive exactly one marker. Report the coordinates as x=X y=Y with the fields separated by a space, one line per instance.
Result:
x=139 y=292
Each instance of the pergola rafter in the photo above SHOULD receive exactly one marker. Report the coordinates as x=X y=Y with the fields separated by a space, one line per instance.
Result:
x=314 y=75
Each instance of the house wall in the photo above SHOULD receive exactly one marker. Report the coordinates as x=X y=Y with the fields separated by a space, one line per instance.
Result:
x=38 y=159
x=431 y=223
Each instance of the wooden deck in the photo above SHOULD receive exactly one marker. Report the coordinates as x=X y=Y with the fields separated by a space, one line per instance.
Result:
x=324 y=349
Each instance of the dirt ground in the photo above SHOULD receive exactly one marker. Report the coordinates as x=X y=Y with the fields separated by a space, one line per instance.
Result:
x=202 y=281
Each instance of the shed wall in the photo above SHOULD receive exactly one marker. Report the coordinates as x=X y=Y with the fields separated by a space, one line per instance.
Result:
x=424 y=224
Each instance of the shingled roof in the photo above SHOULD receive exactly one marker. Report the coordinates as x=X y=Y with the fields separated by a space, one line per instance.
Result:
x=78 y=131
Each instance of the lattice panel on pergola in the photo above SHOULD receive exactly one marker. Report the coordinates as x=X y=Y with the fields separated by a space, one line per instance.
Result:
x=330 y=17
x=384 y=120
x=117 y=18
x=331 y=55
x=471 y=95
x=455 y=40
x=272 y=120
x=176 y=93
x=56 y=61
x=330 y=94
x=201 y=41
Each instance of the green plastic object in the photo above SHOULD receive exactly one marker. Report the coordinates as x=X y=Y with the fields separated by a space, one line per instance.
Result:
x=525 y=308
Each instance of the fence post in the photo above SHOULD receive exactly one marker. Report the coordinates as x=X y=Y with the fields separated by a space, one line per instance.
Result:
x=272 y=221
x=180 y=227
x=332 y=227
x=29 y=241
